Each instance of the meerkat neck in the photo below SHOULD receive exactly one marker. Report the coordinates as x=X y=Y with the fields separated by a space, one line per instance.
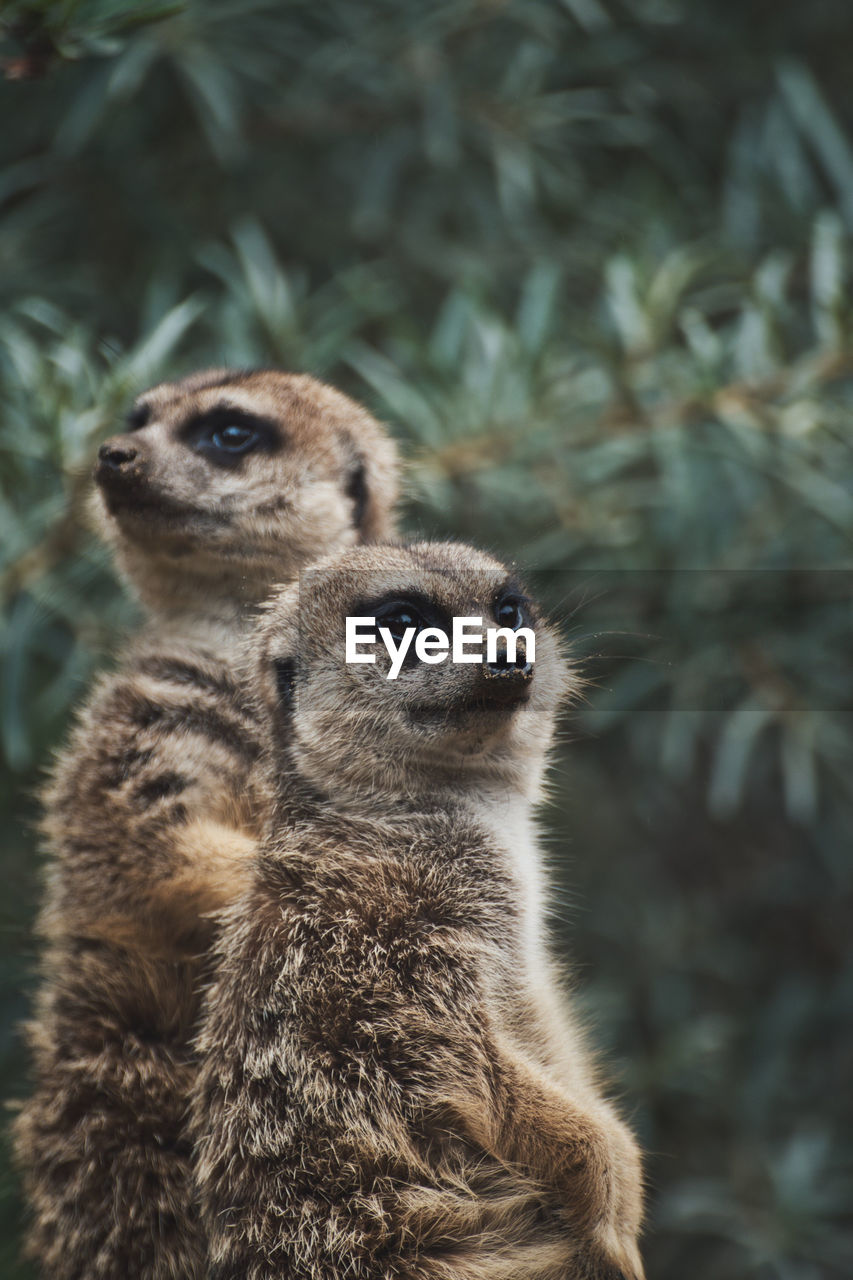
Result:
x=205 y=629
x=200 y=621
x=171 y=590
x=501 y=804
x=396 y=786
x=508 y=819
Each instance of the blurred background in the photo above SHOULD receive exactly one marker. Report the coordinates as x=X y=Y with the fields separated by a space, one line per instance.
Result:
x=591 y=261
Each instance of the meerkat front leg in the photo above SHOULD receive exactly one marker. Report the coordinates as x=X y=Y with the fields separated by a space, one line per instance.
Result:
x=523 y=1118
x=334 y=1044
x=502 y=1100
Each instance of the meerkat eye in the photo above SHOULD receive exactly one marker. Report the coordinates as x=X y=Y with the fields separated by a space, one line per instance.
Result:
x=225 y=434
x=138 y=417
x=510 y=612
x=399 y=617
x=234 y=438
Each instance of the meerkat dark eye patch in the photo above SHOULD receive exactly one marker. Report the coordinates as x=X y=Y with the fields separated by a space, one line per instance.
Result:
x=512 y=608
x=510 y=612
x=357 y=491
x=401 y=612
x=138 y=417
x=285 y=679
x=400 y=617
x=225 y=436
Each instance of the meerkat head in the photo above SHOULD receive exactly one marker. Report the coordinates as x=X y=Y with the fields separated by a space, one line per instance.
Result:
x=407 y=725
x=226 y=482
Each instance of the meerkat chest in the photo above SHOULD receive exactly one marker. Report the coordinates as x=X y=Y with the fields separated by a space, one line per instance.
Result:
x=513 y=837
x=525 y=990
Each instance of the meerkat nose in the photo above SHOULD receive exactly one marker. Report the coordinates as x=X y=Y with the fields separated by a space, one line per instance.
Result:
x=116 y=455
x=517 y=670
x=506 y=681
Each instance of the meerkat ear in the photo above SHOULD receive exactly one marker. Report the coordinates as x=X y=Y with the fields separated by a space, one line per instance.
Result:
x=357 y=490
x=285 y=676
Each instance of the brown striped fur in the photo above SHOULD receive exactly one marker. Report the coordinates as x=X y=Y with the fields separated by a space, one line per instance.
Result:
x=393 y=1086
x=151 y=815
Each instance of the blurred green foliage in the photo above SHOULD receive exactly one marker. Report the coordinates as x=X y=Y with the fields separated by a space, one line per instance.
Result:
x=592 y=261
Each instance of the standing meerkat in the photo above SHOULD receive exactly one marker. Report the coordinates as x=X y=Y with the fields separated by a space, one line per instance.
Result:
x=390 y=1083
x=223 y=484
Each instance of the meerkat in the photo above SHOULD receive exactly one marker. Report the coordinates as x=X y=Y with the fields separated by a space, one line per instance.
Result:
x=223 y=484
x=391 y=1084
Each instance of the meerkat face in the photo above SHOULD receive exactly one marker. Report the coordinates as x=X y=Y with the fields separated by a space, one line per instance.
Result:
x=243 y=475
x=408 y=724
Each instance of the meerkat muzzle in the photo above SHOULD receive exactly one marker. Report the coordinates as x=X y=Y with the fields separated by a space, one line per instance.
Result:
x=119 y=464
x=507 y=680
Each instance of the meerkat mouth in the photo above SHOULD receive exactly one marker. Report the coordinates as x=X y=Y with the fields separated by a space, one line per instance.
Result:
x=498 y=706
x=463 y=712
x=130 y=497
x=127 y=487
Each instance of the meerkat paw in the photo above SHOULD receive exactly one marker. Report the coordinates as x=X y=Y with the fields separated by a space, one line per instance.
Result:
x=602 y=1191
x=619 y=1261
